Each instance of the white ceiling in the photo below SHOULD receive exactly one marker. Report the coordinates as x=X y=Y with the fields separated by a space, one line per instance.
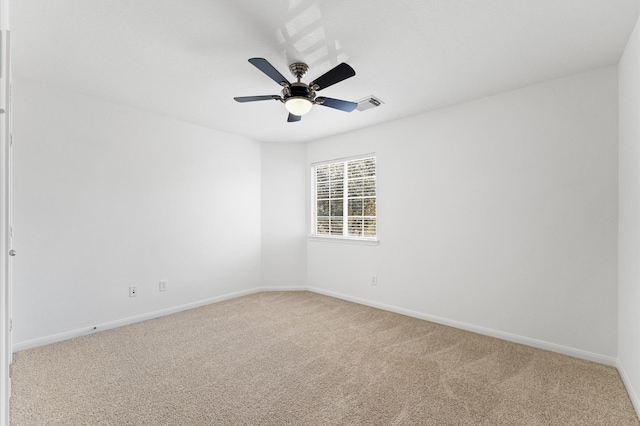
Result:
x=187 y=59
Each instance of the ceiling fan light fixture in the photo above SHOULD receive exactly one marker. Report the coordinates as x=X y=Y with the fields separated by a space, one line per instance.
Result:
x=298 y=105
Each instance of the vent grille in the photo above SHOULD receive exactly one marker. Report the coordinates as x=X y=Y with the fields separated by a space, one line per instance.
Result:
x=368 y=103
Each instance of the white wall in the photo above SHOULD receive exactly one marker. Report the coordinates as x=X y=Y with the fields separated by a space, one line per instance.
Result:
x=629 y=217
x=498 y=215
x=107 y=197
x=284 y=212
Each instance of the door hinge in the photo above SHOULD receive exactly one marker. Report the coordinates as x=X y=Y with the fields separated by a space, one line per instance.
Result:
x=11 y=324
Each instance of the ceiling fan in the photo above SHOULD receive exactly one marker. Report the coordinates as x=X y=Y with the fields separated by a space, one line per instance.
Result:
x=299 y=97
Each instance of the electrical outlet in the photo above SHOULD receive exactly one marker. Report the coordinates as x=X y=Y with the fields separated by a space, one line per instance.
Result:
x=133 y=291
x=374 y=280
x=162 y=286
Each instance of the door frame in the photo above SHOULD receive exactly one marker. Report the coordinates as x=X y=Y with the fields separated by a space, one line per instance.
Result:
x=5 y=212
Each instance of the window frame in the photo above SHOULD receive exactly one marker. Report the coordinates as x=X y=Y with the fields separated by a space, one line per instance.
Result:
x=343 y=238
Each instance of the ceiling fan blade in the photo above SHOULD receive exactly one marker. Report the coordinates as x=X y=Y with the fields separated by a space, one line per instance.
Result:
x=337 y=104
x=293 y=118
x=256 y=98
x=264 y=66
x=333 y=76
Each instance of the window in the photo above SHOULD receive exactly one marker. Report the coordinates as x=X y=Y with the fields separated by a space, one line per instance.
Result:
x=344 y=199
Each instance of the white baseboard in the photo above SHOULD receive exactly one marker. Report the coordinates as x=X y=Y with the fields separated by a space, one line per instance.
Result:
x=627 y=384
x=47 y=340
x=565 y=350
x=577 y=353
x=284 y=288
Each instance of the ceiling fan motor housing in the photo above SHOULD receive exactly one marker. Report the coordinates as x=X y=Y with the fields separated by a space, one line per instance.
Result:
x=300 y=90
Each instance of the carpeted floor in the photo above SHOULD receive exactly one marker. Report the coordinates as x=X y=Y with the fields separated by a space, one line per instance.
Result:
x=299 y=358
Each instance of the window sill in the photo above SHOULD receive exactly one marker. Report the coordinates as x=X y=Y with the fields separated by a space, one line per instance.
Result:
x=345 y=240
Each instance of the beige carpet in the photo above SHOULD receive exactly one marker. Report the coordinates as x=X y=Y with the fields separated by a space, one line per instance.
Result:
x=299 y=358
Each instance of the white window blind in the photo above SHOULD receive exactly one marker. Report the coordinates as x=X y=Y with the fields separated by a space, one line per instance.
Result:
x=345 y=199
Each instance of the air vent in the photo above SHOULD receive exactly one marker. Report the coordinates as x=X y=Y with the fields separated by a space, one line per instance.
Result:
x=368 y=103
